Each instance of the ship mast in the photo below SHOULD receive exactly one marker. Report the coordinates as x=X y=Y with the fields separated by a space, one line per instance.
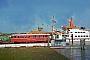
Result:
x=53 y=21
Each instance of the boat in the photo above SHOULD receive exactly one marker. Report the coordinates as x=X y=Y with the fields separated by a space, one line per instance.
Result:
x=75 y=33
x=78 y=34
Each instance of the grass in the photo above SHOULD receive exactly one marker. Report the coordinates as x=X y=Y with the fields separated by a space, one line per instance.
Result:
x=30 y=53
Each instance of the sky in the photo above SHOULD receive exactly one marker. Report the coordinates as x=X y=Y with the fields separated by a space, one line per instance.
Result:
x=27 y=15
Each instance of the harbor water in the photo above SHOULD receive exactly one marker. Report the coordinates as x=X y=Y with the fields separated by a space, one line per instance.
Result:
x=75 y=52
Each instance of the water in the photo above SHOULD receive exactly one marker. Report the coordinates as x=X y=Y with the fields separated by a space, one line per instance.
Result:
x=76 y=53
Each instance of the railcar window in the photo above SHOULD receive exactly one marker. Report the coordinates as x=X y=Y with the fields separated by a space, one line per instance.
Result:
x=28 y=36
x=34 y=36
x=38 y=36
x=43 y=36
x=19 y=37
x=13 y=36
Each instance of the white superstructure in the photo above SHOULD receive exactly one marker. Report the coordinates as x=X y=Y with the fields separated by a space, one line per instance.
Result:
x=77 y=35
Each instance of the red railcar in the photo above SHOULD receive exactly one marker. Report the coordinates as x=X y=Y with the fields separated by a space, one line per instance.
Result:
x=0 y=41
x=25 y=38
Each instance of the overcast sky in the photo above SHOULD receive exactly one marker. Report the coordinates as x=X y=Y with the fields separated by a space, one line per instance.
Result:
x=27 y=15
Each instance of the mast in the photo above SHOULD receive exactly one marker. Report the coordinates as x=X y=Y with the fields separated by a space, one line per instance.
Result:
x=53 y=21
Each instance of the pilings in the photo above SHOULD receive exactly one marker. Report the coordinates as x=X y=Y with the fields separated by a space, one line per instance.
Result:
x=72 y=39
x=82 y=44
x=48 y=41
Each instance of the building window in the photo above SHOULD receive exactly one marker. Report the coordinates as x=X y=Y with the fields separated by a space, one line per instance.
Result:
x=13 y=36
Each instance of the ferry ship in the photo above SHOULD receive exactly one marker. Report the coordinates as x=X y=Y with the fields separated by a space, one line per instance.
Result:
x=76 y=33
x=70 y=33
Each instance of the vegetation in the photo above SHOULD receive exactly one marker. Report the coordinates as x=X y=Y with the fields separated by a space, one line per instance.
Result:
x=30 y=53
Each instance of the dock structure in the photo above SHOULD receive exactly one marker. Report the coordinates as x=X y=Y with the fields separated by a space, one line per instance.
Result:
x=82 y=43
x=25 y=45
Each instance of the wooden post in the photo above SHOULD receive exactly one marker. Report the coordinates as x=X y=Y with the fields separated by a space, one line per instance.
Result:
x=72 y=39
x=82 y=43
x=48 y=41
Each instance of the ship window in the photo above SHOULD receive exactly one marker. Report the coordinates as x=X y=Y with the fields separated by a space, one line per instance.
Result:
x=13 y=36
x=86 y=35
x=57 y=36
x=75 y=36
x=81 y=36
x=78 y=36
x=67 y=35
x=78 y=32
x=62 y=35
x=70 y=32
x=75 y=32
x=83 y=32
